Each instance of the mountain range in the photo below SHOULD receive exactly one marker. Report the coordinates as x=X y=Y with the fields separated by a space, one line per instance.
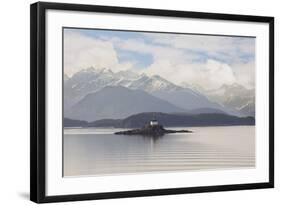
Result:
x=93 y=94
x=118 y=102
x=233 y=96
x=91 y=80
x=167 y=120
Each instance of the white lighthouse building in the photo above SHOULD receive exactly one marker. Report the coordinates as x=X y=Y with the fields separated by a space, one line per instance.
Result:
x=153 y=123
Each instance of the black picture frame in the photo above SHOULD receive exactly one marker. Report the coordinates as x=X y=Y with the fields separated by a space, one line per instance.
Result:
x=38 y=101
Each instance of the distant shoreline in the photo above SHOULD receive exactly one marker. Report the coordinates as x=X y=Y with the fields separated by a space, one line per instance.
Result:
x=167 y=127
x=167 y=120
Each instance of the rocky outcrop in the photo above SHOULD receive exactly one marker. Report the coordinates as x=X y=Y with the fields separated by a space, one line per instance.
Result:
x=149 y=130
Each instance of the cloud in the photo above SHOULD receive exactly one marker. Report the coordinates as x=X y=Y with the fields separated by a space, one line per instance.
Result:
x=156 y=51
x=210 y=75
x=182 y=67
x=227 y=49
x=178 y=64
x=207 y=61
x=82 y=51
x=245 y=74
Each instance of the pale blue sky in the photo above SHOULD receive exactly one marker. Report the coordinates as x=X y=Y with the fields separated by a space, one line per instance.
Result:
x=163 y=53
x=147 y=59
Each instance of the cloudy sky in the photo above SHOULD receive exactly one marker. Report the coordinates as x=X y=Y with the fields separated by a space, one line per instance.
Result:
x=207 y=61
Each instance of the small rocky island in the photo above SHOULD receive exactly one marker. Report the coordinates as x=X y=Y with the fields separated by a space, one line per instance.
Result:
x=151 y=129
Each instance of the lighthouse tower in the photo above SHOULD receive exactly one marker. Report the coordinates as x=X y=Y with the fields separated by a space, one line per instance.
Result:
x=153 y=123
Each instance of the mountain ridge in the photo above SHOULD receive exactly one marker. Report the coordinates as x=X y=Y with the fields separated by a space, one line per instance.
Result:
x=92 y=80
x=172 y=120
x=118 y=102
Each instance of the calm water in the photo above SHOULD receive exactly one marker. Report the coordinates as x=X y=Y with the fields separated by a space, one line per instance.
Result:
x=98 y=151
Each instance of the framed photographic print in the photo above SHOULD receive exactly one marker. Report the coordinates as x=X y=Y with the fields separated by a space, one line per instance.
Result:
x=129 y=102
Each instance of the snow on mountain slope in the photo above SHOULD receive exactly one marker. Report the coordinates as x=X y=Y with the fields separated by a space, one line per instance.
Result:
x=92 y=80
x=152 y=84
x=235 y=97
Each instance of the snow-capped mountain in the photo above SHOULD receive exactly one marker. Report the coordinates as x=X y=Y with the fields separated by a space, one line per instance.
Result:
x=234 y=96
x=91 y=80
x=248 y=109
x=153 y=83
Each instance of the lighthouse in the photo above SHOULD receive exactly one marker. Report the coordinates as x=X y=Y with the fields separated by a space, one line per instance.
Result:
x=153 y=123
x=153 y=129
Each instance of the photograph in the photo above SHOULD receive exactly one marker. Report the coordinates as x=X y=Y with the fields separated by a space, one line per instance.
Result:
x=135 y=102
x=138 y=102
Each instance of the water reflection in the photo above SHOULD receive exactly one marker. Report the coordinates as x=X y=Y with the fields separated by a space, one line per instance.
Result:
x=95 y=151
